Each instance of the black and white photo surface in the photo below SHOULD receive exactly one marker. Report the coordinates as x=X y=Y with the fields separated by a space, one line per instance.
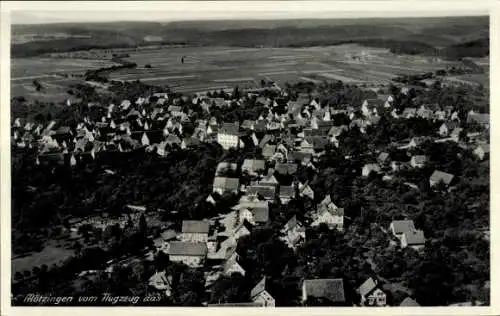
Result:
x=258 y=160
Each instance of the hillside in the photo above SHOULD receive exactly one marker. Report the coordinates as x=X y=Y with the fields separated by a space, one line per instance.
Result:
x=416 y=35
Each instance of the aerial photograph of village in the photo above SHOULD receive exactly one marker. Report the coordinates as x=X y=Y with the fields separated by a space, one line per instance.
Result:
x=243 y=163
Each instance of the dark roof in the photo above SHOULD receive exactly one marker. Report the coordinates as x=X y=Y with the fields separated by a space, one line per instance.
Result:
x=318 y=142
x=286 y=168
x=479 y=118
x=287 y=191
x=229 y=128
x=299 y=155
x=268 y=192
x=331 y=289
x=195 y=227
x=187 y=248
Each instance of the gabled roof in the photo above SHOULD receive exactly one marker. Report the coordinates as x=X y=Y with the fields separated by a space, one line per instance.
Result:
x=266 y=139
x=383 y=156
x=331 y=289
x=403 y=226
x=299 y=155
x=229 y=129
x=268 y=192
x=287 y=191
x=195 y=227
x=479 y=118
x=451 y=125
x=438 y=176
x=484 y=147
x=372 y=167
x=408 y=301
x=180 y=248
x=292 y=224
x=259 y=288
x=268 y=150
x=419 y=159
x=374 y=102
x=414 y=237
x=226 y=166
x=367 y=287
x=227 y=183
x=254 y=164
x=318 y=142
x=286 y=168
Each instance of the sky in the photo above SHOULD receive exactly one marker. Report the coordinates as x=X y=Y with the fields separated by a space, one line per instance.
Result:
x=54 y=12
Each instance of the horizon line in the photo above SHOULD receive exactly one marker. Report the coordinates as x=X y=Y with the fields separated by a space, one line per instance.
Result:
x=215 y=19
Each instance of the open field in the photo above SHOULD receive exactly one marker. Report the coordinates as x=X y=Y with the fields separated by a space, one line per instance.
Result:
x=49 y=255
x=224 y=66
x=207 y=68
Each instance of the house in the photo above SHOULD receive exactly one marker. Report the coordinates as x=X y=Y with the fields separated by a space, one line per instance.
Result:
x=479 y=118
x=398 y=227
x=269 y=179
x=232 y=266
x=323 y=292
x=416 y=141
x=446 y=128
x=318 y=143
x=409 y=113
x=455 y=134
x=268 y=151
x=224 y=167
x=247 y=125
x=161 y=282
x=294 y=232
x=260 y=294
x=414 y=239
x=305 y=190
x=228 y=135
x=371 y=294
x=255 y=212
x=189 y=253
x=482 y=151
x=409 y=302
x=418 y=161
x=222 y=185
x=440 y=176
x=330 y=214
x=266 y=192
x=369 y=168
x=306 y=146
x=253 y=166
x=383 y=158
x=195 y=231
x=286 y=168
x=299 y=156
x=369 y=106
x=286 y=193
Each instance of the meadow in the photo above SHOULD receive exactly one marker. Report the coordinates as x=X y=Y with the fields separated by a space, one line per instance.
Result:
x=219 y=67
